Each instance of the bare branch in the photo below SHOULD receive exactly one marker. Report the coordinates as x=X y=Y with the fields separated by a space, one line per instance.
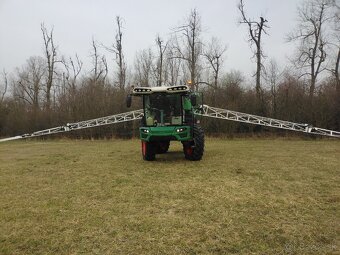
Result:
x=160 y=62
x=192 y=49
x=255 y=30
x=117 y=49
x=5 y=86
x=310 y=33
x=50 y=54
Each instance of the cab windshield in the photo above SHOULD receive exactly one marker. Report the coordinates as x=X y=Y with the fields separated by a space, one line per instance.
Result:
x=163 y=109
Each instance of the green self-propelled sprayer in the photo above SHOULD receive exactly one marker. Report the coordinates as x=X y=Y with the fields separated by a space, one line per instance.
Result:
x=173 y=114
x=169 y=115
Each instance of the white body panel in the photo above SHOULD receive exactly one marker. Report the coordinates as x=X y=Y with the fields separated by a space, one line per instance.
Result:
x=138 y=91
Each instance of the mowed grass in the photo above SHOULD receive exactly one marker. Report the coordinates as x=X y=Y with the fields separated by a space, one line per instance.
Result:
x=100 y=197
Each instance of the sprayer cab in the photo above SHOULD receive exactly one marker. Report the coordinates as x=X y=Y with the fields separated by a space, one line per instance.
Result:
x=169 y=116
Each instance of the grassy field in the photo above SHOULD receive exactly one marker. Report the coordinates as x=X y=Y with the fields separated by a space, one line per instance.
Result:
x=100 y=197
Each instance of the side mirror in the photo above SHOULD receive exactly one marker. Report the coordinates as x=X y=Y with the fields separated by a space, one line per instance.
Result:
x=128 y=101
x=193 y=100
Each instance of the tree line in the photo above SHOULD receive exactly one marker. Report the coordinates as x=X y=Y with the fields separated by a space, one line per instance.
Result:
x=52 y=89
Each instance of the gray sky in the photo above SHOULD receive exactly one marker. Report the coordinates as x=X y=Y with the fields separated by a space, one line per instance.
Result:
x=75 y=22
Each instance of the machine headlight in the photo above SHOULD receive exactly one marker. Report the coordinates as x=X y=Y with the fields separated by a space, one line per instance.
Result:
x=145 y=130
x=178 y=130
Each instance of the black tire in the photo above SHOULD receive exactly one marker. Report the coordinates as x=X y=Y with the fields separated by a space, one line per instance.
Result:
x=148 y=151
x=194 y=150
x=162 y=147
x=142 y=122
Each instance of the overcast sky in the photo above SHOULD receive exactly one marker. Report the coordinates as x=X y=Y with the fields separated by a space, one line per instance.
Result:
x=75 y=22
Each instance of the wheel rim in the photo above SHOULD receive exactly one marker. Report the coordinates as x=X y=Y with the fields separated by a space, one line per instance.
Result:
x=143 y=148
x=188 y=150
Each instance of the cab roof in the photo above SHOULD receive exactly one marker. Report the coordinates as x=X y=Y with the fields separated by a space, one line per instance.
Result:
x=138 y=91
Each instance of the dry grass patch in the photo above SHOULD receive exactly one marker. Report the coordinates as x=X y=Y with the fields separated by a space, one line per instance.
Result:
x=244 y=197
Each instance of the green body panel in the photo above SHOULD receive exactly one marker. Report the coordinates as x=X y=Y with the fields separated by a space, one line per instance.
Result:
x=165 y=133
x=187 y=104
x=165 y=113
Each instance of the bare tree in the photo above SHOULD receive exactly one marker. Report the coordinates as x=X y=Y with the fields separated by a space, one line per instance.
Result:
x=233 y=78
x=335 y=71
x=311 y=35
x=172 y=65
x=100 y=68
x=273 y=76
x=51 y=60
x=143 y=67
x=255 y=30
x=72 y=71
x=337 y=88
x=192 y=45
x=336 y=45
x=29 y=82
x=214 y=57
x=160 y=61
x=4 y=86
x=117 y=49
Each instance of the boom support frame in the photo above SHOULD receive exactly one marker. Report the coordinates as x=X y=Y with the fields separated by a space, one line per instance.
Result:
x=218 y=113
x=206 y=111
x=108 y=120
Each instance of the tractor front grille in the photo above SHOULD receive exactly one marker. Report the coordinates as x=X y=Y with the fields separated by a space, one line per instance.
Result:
x=162 y=138
x=144 y=136
x=183 y=135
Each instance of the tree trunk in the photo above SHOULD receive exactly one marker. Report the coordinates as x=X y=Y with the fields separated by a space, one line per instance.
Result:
x=337 y=89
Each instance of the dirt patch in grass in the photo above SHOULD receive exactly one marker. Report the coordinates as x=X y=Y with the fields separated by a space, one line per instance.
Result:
x=99 y=197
